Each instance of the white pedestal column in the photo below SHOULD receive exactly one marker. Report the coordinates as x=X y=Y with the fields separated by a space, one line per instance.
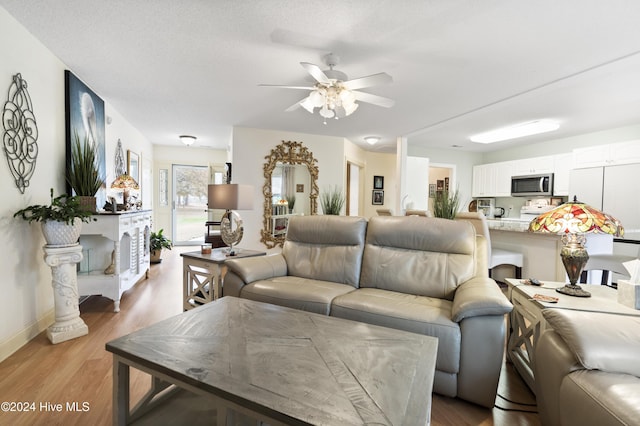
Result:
x=64 y=279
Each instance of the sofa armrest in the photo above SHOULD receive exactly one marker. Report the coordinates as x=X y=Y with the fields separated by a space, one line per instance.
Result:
x=479 y=296
x=251 y=269
x=599 y=341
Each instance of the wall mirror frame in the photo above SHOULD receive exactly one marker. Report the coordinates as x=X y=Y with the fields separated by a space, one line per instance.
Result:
x=287 y=152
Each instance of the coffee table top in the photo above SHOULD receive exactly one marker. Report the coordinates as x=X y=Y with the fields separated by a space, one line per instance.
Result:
x=293 y=366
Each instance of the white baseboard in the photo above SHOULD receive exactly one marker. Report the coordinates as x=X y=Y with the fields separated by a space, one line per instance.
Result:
x=9 y=346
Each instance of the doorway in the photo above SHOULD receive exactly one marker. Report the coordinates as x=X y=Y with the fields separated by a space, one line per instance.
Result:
x=189 y=212
x=441 y=177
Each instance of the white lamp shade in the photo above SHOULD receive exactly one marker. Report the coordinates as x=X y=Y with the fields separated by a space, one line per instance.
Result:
x=230 y=196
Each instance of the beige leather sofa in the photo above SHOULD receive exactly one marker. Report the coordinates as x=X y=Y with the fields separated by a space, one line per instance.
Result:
x=587 y=369
x=419 y=274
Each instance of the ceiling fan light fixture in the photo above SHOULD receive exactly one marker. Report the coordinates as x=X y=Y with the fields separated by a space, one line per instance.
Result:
x=326 y=112
x=517 y=131
x=188 y=140
x=372 y=140
x=316 y=98
x=349 y=109
x=307 y=104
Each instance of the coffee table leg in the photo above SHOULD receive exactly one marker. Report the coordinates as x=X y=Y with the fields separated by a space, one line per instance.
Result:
x=120 y=407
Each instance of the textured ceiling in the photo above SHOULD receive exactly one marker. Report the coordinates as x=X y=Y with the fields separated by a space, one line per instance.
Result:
x=459 y=67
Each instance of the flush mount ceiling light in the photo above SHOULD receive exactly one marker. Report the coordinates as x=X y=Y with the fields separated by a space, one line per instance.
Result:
x=519 y=130
x=372 y=140
x=187 y=139
x=334 y=94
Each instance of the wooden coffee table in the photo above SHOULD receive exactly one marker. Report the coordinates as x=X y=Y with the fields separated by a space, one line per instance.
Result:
x=278 y=365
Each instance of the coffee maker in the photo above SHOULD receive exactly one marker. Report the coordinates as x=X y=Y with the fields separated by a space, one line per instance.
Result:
x=486 y=206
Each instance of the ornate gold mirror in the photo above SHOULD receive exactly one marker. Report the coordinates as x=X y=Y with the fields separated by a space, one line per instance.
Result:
x=290 y=188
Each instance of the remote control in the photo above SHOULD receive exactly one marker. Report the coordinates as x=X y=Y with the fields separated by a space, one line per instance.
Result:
x=534 y=281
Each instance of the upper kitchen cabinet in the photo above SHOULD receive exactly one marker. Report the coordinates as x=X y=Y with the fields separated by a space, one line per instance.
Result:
x=533 y=166
x=563 y=163
x=492 y=180
x=607 y=155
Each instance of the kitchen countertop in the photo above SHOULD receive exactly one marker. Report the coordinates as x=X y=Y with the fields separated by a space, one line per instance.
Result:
x=508 y=224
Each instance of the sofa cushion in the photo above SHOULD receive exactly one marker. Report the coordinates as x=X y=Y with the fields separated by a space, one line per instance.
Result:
x=591 y=397
x=326 y=248
x=294 y=292
x=418 y=255
x=613 y=345
x=417 y=314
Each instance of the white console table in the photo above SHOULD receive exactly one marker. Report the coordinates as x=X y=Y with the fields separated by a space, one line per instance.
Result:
x=118 y=238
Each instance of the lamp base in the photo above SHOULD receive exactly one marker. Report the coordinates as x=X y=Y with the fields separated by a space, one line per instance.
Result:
x=573 y=290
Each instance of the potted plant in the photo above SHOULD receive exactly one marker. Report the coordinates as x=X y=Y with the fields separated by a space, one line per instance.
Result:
x=61 y=220
x=291 y=201
x=332 y=201
x=157 y=242
x=83 y=175
x=446 y=204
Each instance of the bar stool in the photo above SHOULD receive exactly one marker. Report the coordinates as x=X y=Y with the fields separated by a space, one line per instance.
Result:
x=496 y=256
x=606 y=263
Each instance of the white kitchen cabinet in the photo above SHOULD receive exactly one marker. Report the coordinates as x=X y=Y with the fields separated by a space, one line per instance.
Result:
x=492 y=180
x=116 y=254
x=533 y=166
x=587 y=185
x=607 y=155
x=562 y=165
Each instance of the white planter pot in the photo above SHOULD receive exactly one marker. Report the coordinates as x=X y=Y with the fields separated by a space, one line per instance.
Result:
x=59 y=234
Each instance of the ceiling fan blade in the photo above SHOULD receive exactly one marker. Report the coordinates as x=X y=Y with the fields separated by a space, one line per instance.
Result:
x=374 y=99
x=287 y=87
x=316 y=72
x=294 y=106
x=368 y=81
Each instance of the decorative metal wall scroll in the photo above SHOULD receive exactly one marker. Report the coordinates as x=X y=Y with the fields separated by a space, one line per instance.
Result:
x=21 y=133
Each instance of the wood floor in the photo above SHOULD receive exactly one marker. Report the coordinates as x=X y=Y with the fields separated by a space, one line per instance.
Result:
x=41 y=375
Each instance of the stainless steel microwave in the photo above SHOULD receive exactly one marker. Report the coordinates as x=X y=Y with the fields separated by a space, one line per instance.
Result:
x=532 y=185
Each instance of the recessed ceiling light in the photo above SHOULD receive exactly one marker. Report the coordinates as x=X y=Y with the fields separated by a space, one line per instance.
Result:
x=517 y=131
x=372 y=140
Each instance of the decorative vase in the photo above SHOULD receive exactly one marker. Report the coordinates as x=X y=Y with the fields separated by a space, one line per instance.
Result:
x=61 y=234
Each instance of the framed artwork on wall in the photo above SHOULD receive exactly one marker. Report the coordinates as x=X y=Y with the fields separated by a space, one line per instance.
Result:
x=377 y=197
x=133 y=165
x=84 y=112
x=432 y=190
x=378 y=182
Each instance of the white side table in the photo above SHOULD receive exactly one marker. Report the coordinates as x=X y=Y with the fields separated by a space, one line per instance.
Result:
x=526 y=323
x=64 y=279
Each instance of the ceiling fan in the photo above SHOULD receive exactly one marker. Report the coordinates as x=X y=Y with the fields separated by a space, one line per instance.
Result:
x=334 y=94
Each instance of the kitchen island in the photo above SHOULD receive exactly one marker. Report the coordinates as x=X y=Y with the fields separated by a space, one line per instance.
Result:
x=541 y=251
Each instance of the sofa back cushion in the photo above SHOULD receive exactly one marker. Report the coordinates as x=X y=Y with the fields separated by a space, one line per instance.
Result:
x=418 y=255
x=327 y=248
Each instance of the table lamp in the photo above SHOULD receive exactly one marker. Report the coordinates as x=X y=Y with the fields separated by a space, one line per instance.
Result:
x=126 y=183
x=230 y=197
x=573 y=220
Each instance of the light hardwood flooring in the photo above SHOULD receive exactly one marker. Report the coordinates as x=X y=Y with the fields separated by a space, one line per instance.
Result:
x=80 y=370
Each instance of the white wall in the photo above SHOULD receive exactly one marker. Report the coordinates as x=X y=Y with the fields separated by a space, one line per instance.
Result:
x=26 y=305
x=251 y=146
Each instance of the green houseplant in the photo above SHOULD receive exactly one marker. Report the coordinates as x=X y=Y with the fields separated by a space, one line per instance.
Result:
x=157 y=242
x=446 y=204
x=332 y=201
x=83 y=175
x=61 y=219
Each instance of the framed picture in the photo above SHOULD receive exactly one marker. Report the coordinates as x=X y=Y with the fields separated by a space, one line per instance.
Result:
x=84 y=111
x=378 y=182
x=300 y=187
x=432 y=190
x=377 y=197
x=133 y=165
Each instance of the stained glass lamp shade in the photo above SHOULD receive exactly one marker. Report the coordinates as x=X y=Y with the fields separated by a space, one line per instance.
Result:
x=126 y=183
x=572 y=220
